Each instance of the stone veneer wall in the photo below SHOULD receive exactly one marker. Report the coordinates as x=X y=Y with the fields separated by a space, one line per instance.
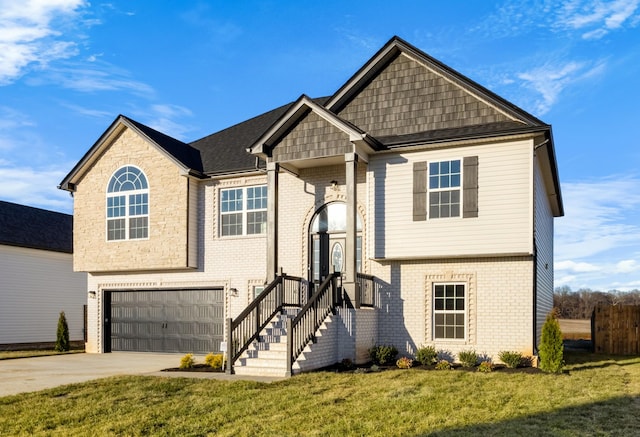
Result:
x=166 y=247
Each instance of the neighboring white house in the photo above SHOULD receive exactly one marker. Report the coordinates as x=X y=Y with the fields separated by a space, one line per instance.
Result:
x=412 y=207
x=37 y=280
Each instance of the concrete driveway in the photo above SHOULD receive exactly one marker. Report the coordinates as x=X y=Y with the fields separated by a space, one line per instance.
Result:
x=39 y=373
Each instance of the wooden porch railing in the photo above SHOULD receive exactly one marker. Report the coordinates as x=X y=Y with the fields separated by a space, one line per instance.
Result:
x=301 y=330
x=244 y=329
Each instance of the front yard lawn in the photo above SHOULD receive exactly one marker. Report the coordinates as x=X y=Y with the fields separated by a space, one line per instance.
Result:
x=598 y=395
x=10 y=355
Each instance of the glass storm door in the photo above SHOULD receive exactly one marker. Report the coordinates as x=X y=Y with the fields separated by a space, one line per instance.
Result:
x=328 y=242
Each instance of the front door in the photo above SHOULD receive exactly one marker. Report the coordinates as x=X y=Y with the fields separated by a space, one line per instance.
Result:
x=327 y=242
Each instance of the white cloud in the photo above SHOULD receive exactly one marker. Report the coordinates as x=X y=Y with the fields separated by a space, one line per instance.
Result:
x=100 y=76
x=627 y=266
x=551 y=79
x=166 y=118
x=590 y=19
x=31 y=33
x=597 y=243
x=88 y=112
x=599 y=17
x=598 y=217
x=11 y=118
x=575 y=266
x=35 y=186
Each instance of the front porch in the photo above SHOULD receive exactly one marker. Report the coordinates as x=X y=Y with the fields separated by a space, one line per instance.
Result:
x=288 y=330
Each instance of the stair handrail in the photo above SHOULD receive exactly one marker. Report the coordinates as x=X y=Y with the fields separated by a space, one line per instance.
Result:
x=301 y=329
x=283 y=291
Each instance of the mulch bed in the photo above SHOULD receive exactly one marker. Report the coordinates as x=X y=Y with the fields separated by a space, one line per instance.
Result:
x=367 y=368
x=195 y=368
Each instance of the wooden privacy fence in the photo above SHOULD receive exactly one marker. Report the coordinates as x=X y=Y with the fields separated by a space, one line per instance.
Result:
x=615 y=329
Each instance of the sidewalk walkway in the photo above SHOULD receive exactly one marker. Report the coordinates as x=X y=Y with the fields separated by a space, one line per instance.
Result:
x=39 y=373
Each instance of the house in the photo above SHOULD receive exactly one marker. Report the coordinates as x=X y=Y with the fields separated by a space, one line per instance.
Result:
x=37 y=279
x=412 y=207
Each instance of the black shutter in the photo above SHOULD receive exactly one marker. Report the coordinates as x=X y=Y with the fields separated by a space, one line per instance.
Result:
x=419 y=191
x=470 y=187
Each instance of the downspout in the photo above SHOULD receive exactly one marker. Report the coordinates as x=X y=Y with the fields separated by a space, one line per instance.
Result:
x=535 y=255
x=188 y=221
x=535 y=294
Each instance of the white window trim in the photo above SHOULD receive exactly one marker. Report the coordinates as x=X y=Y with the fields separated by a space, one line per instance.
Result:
x=438 y=190
x=127 y=216
x=244 y=212
x=464 y=312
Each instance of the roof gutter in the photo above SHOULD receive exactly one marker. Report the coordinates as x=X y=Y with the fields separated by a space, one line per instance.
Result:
x=469 y=137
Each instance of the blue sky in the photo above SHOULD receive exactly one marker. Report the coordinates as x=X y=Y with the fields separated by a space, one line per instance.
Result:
x=69 y=67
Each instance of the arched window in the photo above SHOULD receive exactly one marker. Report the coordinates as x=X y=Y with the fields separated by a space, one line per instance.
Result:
x=127 y=205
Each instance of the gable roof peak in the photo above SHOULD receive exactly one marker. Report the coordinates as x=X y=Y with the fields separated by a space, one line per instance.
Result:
x=185 y=156
x=396 y=46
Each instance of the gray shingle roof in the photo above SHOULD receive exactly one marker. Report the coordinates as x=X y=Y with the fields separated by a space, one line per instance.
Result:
x=474 y=131
x=35 y=228
x=184 y=153
x=225 y=151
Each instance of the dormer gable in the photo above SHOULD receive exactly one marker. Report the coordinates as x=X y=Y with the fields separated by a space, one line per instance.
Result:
x=182 y=155
x=308 y=130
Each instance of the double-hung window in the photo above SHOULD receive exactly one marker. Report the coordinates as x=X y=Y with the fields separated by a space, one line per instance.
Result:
x=127 y=205
x=449 y=314
x=444 y=189
x=243 y=211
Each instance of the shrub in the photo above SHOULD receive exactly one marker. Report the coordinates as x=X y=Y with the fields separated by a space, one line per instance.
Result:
x=62 y=334
x=214 y=360
x=511 y=359
x=404 y=363
x=485 y=367
x=426 y=355
x=443 y=365
x=551 y=347
x=468 y=358
x=346 y=364
x=383 y=354
x=187 y=361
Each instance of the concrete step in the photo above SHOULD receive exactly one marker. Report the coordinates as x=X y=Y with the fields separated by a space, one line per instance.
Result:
x=260 y=371
x=268 y=346
x=275 y=363
x=265 y=354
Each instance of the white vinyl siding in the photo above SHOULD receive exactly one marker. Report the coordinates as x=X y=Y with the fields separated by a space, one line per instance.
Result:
x=503 y=225
x=543 y=222
x=35 y=285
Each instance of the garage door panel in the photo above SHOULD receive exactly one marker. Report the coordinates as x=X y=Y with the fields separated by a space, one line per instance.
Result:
x=167 y=320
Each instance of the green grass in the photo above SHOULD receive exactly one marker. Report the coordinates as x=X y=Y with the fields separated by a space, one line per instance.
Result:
x=596 y=396
x=10 y=355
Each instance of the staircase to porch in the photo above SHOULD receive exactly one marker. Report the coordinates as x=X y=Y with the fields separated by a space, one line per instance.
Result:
x=272 y=333
x=267 y=355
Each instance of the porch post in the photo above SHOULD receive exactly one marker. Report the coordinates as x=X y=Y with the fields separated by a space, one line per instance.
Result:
x=350 y=283
x=272 y=220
